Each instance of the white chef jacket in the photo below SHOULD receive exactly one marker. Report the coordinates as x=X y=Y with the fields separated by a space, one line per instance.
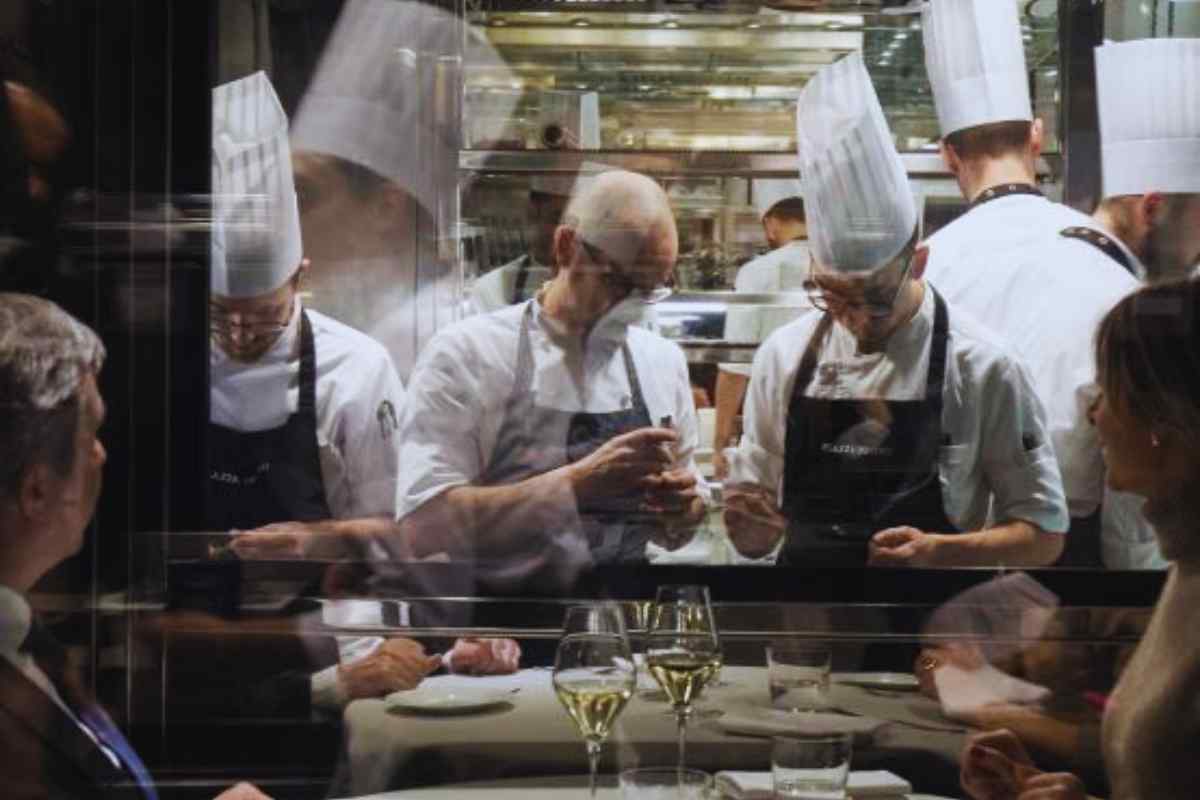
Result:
x=1046 y=297
x=781 y=270
x=463 y=380
x=494 y=291
x=356 y=431
x=999 y=464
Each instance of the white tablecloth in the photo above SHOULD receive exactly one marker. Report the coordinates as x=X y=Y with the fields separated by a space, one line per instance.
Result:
x=532 y=736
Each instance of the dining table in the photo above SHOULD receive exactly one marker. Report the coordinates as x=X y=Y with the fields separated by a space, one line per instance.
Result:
x=395 y=743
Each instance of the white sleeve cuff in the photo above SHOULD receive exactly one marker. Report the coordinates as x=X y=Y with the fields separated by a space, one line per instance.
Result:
x=327 y=691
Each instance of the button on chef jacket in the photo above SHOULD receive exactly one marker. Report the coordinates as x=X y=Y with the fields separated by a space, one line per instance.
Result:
x=781 y=270
x=463 y=380
x=998 y=458
x=359 y=402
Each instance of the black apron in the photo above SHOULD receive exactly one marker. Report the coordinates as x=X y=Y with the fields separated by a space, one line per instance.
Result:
x=534 y=440
x=261 y=477
x=854 y=467
x=1101 y=242
x=519 y=286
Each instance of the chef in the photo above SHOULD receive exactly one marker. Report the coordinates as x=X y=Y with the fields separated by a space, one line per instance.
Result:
x=891 y=428
x=780 y=207
x=519 y=280
x=558 y=433
x=1002 y=261
x=1150 y=158
x=376 y=167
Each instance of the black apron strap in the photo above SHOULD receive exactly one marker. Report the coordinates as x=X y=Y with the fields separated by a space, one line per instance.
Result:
x=522 y=279
x=1101 y=242
x=307 y=402
x=1004 y=190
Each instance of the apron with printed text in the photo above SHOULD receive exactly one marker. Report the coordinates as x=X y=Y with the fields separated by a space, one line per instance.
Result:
x=260 y=477
x=854 y=467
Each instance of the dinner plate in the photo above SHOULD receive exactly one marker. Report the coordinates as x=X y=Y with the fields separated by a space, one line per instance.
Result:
x=447 y=700
x=890 y=681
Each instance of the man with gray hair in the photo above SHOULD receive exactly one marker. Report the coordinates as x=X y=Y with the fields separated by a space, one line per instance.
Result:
x=58 y=742
x=558 y=432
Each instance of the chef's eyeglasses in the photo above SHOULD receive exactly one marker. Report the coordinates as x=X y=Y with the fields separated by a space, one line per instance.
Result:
x=267 y=324
x=823 y=299
x=620 y=281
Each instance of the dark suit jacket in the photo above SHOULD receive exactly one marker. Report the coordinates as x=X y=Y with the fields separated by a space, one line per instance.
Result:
x=43 y=753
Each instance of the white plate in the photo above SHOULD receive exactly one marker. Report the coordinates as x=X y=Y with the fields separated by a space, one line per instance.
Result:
x=891 y=681
x=447 y=700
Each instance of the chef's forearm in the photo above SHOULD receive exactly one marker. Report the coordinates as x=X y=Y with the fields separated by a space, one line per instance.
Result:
x=468 y=520
x=731 y=389
x=1009 y=544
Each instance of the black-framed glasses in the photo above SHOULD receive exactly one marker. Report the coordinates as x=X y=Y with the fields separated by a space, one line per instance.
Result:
x=823 y=300
x=620 y=281
x=268 y=324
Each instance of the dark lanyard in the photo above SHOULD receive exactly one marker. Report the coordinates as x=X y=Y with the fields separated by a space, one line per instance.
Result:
x=1101 y=242
x=1004 y=190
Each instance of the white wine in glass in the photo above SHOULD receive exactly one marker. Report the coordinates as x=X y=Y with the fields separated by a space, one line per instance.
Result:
x=594 y=674
x=683 y=651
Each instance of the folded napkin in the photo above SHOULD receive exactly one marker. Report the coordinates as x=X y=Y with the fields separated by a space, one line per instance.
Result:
x=965 y=690
x=759 y=721
x=861 y=783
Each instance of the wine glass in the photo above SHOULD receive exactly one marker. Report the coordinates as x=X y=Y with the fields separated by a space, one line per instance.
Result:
x=683 y=651
x=594 y=674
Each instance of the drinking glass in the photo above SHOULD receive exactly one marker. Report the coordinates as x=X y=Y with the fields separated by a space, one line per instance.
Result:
x=665 y=783
x=798 y=675
x=683 y=651
x=594 y=674
x=811 y=767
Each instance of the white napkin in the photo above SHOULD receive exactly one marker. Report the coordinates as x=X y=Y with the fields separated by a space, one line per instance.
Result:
x=861 y=783
x=963 y=691
x=759 y=721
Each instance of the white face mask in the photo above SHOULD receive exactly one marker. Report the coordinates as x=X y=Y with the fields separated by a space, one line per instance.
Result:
x=633 y=310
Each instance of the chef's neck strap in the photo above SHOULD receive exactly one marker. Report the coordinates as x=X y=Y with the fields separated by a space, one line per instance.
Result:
x=307 y=402
x=1102 y=242
x=1004 y=190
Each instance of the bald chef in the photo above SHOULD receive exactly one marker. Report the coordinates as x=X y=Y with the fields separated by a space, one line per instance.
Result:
x=559 y=432
x=885 y=429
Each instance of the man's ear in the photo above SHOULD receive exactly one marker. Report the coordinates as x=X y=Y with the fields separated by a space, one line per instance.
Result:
x=920 y=260
x=1147 y=210
x=36 y=493
x=301 y=274
x=950 y=158
x=1037 y=137
x=565 y=245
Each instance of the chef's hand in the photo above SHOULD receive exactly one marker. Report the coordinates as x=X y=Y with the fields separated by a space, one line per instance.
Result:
x=753 y=520
x=995 y=765
x=620 y=466
x=1053 y=786
x=720 y=464
x=473 y=656
x=292 y=540
x=673 y=494
x=395 y=665
x=242 y=791
x=901 y=547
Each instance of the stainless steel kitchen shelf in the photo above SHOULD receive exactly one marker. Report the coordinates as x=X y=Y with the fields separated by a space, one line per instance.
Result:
x=680 y=163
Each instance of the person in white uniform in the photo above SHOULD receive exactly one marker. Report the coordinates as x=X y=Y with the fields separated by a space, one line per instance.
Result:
x=1013 y=259
x=520 y=279
x=559 y=433
x=304 y=410
x=891 y=429
x=376 y=169
x=780 y=207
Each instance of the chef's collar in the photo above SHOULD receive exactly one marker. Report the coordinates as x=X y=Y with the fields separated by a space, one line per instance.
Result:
x=286 y=347
x=15 y=619
x=611 y=329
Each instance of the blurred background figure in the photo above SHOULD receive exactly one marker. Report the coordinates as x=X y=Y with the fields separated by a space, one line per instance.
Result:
x=375 y=146
x=780 y=206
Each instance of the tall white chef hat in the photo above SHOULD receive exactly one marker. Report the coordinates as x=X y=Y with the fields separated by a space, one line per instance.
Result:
x=767 y=192
x=976 y=62
x=256 y=244
x=857 y=198
x=372 y=100
x=1149 y=116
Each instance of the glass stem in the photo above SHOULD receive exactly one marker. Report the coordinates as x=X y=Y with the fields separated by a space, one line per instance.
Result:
x=593 y=752
x=681 y=720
